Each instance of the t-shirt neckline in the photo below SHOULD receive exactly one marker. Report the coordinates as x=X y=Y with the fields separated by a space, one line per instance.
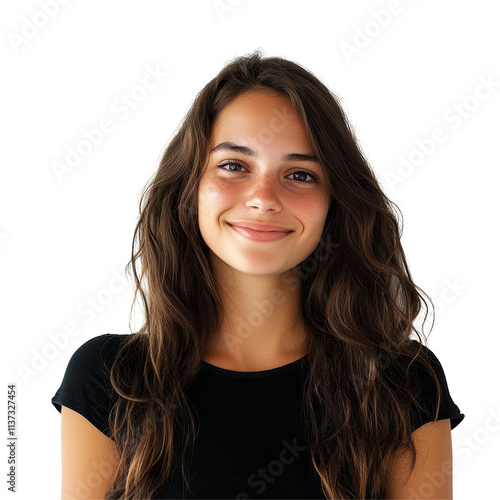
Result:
x=254 y=374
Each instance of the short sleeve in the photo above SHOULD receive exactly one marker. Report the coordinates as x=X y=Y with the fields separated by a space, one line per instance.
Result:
x=428 y=396
x=86 y=387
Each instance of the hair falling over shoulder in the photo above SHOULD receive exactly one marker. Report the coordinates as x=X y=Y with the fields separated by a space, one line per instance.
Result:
x=359 y=304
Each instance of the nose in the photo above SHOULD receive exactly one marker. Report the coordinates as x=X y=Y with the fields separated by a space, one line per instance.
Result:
x=263 y=195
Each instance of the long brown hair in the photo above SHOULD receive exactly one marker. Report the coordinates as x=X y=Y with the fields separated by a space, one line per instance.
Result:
x=359 y=304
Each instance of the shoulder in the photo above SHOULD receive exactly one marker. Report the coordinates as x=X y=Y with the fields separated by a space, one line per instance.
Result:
x=93 y=359
x=427 y=390
x=86 y=387
x=98 y=351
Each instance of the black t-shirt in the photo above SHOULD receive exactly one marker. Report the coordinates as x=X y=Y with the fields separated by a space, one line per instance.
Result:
x=250 y=444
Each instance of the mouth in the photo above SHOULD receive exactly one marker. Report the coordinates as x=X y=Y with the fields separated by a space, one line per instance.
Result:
x=256 y=235
x=264 y=228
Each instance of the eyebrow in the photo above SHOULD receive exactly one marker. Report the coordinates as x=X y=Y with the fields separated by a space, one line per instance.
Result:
x=244 y=150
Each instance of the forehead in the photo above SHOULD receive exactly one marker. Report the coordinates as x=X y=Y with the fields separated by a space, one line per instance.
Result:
x=261 y=120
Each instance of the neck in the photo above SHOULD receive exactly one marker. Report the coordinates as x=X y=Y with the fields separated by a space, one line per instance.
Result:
x=261 y=324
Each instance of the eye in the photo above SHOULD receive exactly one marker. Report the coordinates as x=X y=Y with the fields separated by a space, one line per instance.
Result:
x=232 y=163
x=304 y=173
x=301 y=173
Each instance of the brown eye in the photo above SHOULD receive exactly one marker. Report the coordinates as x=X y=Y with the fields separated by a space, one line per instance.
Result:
x=232 y=164
x=304 y=174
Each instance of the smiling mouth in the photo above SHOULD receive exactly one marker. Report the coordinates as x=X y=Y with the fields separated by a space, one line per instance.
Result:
x=263 y=236
x=261 y=230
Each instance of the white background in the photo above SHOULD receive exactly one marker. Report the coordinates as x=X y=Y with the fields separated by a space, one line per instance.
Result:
x=399 y=76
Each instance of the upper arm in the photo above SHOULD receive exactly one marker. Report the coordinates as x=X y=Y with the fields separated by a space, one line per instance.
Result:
x=432 y=477
x=89 y=458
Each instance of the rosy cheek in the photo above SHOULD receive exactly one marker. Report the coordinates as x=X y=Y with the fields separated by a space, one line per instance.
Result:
x=312 y=209
x=215 y=194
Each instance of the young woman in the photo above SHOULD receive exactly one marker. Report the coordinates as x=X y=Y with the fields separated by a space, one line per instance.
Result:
x=275 y=360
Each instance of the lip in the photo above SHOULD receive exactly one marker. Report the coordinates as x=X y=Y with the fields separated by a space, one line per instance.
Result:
x=256 y=226
x=265 y=235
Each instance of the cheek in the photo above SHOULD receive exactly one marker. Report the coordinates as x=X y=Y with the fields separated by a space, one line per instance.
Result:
x=312 y=213
x=214 y=197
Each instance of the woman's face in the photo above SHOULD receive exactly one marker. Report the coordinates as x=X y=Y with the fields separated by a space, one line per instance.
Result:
x=250 y=180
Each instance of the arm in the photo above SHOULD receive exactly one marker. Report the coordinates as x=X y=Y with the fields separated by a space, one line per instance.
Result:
x=89 y=458
x=432 y=477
